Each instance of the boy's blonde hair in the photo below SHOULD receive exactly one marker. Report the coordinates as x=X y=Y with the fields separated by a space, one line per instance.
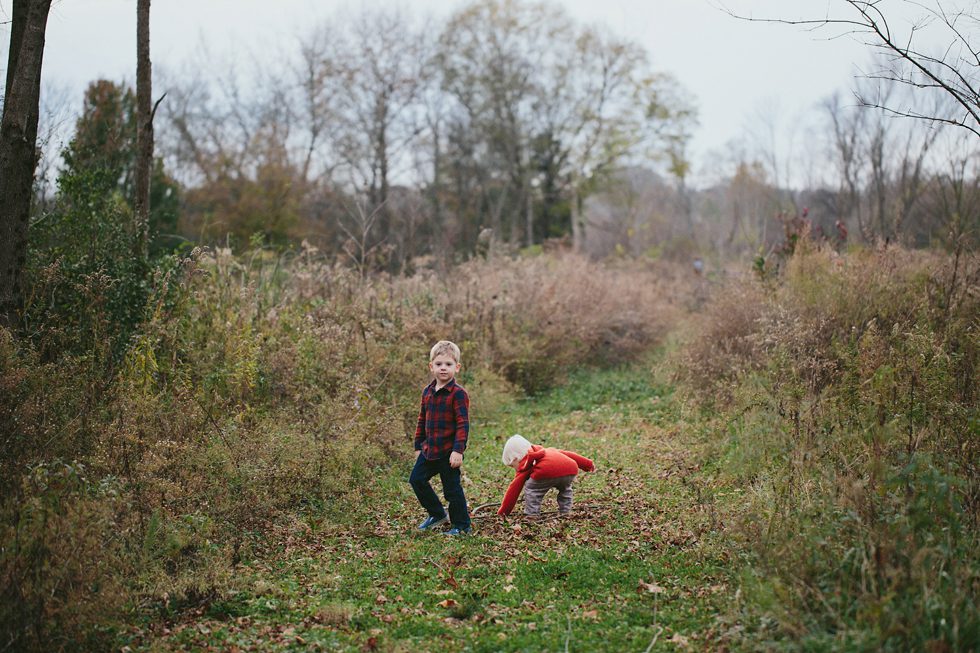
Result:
x=444 y=347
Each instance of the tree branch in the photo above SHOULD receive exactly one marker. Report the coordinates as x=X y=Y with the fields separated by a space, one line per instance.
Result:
x=938 y=73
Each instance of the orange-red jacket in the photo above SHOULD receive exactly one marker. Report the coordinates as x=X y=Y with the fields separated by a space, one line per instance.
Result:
x=541 y=463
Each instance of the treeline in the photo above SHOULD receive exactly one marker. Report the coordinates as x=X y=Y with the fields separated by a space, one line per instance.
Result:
x=384 y=139
x=394 y=143
x=869 y=177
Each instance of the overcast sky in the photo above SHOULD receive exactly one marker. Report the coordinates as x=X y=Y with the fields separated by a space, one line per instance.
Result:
x=745 y=76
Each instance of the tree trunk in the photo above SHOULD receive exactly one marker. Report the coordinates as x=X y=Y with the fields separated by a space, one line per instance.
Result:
x=578 y=237
x=528 y=199
x=529 y=215
x=144 y=129
x=442 y=242
x=18 y=142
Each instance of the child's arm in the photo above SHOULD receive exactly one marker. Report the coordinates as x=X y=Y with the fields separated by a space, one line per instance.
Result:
x=583 y=463
x=420 y=427
x=461 y=407
x=513 y=491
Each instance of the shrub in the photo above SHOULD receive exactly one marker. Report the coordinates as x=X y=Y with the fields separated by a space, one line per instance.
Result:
x=88 y=288
x=533 y=319
x=62 y=562
x=851 y=419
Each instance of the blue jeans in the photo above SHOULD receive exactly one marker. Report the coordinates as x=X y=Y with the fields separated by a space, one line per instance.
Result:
x=424 y=470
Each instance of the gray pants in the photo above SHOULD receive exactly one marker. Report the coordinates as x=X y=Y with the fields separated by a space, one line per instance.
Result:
x=534 y=491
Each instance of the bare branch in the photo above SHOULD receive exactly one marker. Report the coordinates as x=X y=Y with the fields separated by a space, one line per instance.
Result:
x=950 y=73
x=920 y=116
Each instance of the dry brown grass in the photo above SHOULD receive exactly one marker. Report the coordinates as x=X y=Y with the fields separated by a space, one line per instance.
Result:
x=845 y=411
x=823 y=303
x=259 y=387
x=533 y=319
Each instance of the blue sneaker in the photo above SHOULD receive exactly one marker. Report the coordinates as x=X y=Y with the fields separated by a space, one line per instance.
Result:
x=455 y=530
x=432 y=522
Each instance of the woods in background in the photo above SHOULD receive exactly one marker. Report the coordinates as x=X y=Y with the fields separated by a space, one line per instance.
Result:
x=386 y=140
x=393 y=144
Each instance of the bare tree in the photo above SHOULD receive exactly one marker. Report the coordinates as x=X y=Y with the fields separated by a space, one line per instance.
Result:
x=488 y=54
x=374 y=73
x=952 y=199
x=430 y=155
x=361 y=247
x=952 y=69
x=313 y=108
x=232 y=139
x=211 y=126
x=881 y=163
x=144 y=128
x=550 y=107
x=18 y=151
x=848 y=131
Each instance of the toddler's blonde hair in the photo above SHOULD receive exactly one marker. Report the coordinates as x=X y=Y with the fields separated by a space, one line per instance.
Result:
x=444 y=347
x=515 y=448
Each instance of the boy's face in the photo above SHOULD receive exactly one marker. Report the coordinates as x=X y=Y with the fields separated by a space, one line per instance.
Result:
x=443 y=367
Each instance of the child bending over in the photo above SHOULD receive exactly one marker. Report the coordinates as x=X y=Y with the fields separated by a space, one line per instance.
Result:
x=538 y=470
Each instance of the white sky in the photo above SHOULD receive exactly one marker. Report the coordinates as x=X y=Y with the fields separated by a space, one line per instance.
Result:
x=746 y=77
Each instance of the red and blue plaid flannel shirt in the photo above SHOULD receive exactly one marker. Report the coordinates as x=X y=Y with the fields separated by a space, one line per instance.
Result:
x=444 y=421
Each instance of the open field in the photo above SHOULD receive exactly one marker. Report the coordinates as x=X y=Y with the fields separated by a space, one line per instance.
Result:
x=638 y=565
x=786 y=461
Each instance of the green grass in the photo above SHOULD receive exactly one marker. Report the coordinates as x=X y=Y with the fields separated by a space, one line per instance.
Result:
x=635 y=565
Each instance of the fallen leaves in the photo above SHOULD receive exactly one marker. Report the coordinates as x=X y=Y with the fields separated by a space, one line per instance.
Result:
x=651 y=588
x=711 y=589
x=679 y=640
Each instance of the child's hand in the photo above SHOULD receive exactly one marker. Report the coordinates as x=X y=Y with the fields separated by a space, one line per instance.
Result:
x=455 y=459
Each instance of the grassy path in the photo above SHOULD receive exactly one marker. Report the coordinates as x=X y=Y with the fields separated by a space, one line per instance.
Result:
x=635 y=568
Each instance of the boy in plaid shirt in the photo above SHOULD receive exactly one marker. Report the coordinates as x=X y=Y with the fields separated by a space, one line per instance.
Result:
x=440 y=437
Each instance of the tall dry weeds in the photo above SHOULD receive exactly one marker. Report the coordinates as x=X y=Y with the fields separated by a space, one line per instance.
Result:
x=845 y=392
x=259 y=388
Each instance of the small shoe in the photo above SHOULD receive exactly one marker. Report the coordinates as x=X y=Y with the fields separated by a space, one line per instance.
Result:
x=432 y=522
x=457 y=531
